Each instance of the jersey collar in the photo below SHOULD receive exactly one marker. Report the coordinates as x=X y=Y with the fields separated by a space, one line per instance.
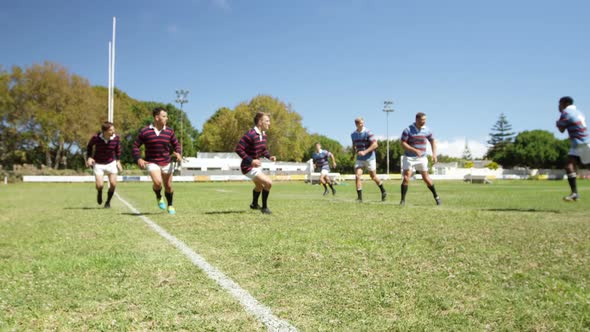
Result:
x=106 y=140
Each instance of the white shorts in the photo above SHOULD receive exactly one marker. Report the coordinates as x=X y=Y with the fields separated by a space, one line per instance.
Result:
x=324 y=171
x=101 y=169
x=420 y=164
x=371 y=164
x=582 y=151
x=253 y=172
x=166 y=169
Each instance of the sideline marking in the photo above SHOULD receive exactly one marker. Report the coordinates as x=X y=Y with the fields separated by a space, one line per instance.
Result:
x=260 y=311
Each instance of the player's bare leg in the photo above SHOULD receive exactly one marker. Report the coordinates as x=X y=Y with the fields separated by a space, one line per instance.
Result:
x=379 y=184
x=156 y=176
x=359 y=185
x=570 y=170
x=111 y=192
x=99 y=181
x=407 y=174
x=263 y=184
x=426 y=178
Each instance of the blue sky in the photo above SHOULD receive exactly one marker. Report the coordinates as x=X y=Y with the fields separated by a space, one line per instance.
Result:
x=461 y=62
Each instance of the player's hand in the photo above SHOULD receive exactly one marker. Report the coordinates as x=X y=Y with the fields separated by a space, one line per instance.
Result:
x=178 y=156
x=273 y=158
x=256 y=163
x=334 y=165
x=141 y=163
x=434 y=159
x=90 y=162
x=362 y=153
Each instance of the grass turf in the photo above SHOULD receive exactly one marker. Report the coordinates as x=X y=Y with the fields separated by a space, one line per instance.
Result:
x=506 y=256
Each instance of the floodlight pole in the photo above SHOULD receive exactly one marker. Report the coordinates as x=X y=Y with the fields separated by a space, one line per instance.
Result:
x=181 y=98
x=387 y=109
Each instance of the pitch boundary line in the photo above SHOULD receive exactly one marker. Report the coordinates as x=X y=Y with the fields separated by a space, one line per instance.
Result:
x=250 y=304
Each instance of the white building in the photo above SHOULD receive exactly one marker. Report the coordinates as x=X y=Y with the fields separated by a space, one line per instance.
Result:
x=228 y=163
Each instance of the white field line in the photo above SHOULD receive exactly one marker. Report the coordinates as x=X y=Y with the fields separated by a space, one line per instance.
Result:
x=252 y=306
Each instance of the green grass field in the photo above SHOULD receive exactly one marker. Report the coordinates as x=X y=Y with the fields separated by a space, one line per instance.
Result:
x=506 y=256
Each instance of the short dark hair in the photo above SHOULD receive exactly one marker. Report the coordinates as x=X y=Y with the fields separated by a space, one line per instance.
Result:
x=567 y=100
x=106 y=126
x=420 y=114
x=258 y=116
x=158 y=110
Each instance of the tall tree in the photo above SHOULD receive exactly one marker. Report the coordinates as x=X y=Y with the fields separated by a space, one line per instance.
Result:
x=221 y=132
x=500 y=137
x=47 y=116
x=9 y=141
x=501 y=132
x=467 y=152
x=288 y=139
x=52 y=108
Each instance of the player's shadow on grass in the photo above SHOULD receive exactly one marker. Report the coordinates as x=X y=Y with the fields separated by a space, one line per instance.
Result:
x=141 y=213
x=522 y=210
x=226 y=212
x=85 y=208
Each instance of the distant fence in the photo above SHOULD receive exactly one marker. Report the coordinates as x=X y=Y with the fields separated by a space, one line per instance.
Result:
x=459 y=174
x=145 y=178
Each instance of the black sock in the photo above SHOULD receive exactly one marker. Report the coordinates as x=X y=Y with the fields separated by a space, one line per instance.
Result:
x=571 y=178
x=99 y=195
x=325 y=188
x=330 y=184
x=158 y=193
x=110 y=194
x=359 y=193
x=265 y=194
x=381 y=187
x=404 y=191
x=433 y=191
x=169 y=197
x=255 y=195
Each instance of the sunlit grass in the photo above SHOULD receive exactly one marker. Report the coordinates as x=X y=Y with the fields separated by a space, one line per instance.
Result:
x=506 y=256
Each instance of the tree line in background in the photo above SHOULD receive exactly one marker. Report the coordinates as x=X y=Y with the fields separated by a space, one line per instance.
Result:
x=47 y=116
x=530 y=148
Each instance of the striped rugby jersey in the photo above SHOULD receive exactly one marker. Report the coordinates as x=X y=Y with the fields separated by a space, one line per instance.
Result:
x=320 y=159
x=416 y=138
x=575 y=122
x=361 y=141
x=157 y=147
x=103 y=151
x=251 y=146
